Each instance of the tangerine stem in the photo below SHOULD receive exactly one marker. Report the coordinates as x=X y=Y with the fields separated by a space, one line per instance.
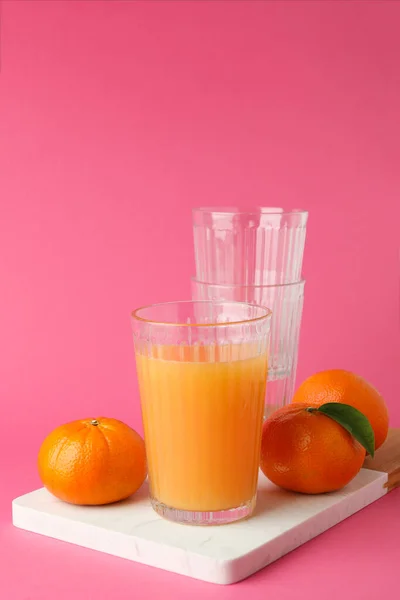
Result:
x=94 y=422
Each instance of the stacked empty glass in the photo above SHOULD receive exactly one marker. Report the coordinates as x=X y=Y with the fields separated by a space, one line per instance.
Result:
x=256 y=256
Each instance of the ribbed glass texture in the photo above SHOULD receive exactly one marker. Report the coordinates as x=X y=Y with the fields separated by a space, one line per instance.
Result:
x=202 y=370
x=286 y=303
x=261 y=246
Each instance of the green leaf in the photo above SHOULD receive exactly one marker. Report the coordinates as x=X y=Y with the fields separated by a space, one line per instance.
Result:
x=353 y=420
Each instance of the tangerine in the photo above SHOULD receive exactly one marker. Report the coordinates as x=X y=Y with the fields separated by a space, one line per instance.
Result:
x=92 y=461
x=308 y=452
x=338 y=385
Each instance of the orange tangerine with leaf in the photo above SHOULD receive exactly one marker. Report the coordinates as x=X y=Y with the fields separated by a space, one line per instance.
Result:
x=311 y=450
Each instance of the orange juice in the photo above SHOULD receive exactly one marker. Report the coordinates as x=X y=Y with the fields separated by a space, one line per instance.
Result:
x=202 y=411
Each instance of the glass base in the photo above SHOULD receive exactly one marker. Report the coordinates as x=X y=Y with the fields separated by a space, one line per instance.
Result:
x=280 y=389
x=217 y=517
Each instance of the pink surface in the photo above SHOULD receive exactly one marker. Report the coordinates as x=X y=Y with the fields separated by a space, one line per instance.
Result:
x=115 y=119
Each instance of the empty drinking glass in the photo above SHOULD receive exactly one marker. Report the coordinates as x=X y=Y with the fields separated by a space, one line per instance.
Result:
x=286 y=303
x=259 y=246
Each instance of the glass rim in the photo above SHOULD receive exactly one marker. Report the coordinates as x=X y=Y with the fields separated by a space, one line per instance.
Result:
x=267 y=315
x=254 y=210
x=301 y=282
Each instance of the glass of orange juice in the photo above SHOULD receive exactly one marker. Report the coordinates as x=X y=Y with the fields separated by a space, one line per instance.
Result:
x=202 y=370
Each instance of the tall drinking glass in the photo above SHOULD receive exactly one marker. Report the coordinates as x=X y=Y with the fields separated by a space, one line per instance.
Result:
x=202 y=370
x=259 y=246
x=286 y=303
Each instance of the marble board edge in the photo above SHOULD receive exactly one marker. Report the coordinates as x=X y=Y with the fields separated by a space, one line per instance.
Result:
x=187 y=563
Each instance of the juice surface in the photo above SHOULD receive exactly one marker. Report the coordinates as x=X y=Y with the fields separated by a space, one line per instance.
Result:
x=202 y=422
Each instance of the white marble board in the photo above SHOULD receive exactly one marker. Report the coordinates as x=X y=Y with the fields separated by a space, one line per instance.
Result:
x=225 y=554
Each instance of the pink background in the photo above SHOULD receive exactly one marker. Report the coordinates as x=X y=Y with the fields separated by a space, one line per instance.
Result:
x=116 y=118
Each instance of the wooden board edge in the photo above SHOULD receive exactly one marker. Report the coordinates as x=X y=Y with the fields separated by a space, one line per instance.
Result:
x=387 y=459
